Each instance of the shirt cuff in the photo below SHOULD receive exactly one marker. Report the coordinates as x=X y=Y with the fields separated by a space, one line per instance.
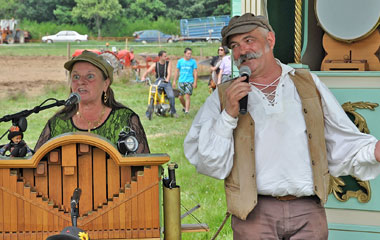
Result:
x=225 y=125
x=367 y=154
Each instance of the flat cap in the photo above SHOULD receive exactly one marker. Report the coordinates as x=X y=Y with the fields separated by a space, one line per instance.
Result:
x=93 y=58
x=243 y=24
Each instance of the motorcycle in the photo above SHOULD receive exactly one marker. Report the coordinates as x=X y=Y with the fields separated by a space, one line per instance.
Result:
x=158 y=102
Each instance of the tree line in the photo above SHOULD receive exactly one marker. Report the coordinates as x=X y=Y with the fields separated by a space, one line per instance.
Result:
x=110 y=17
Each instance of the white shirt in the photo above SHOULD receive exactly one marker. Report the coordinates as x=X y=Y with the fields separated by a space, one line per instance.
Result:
x=281 y=148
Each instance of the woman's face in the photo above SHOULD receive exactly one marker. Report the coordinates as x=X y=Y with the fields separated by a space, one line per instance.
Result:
x=87 y=80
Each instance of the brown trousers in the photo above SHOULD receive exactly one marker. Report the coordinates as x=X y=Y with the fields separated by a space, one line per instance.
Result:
x=273 y=219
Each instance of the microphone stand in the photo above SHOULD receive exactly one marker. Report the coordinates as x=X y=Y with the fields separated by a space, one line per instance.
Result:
x=74 y=213
x=75 y=206
x=25 y=113
x=19 y=118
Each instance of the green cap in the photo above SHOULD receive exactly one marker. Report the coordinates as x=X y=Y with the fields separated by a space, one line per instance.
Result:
x=93 y=58
x=243 y=24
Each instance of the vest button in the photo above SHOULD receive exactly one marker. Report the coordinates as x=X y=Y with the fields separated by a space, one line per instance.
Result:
x=251 y=149
x=253 y=175
x=315 y=188
x=309 y=135
x=305 y=110
x=312 y=162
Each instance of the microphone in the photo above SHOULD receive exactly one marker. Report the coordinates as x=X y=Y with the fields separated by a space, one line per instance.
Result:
x=244 y=71
x=74 y=98
x=76 y=196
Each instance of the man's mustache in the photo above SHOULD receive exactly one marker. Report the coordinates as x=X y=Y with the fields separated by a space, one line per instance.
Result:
x=248 y=56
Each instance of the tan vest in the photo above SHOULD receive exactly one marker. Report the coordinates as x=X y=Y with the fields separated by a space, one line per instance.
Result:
x=240 y=185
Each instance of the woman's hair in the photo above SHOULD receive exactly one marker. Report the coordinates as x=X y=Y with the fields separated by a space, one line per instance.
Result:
x=226 y=50
x=69 y=111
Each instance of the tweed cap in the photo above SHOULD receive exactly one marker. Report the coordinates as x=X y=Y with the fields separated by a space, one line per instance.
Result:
x=243 y=24
x=93 y=58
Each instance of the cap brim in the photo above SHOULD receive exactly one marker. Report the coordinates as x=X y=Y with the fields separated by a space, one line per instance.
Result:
x=69 y=65
x=238 y=30
x=62 y=236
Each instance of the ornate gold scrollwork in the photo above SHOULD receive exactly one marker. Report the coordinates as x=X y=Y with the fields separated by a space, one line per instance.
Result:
x=338 y=185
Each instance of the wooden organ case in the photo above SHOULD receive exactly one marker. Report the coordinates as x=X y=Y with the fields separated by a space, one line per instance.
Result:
x=120 y=195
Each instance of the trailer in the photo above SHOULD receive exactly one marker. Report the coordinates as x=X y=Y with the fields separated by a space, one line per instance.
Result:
x=203 y=29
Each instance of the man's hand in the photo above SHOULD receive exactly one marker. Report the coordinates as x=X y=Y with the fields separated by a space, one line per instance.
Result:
x=236 y=91
x=195 y=85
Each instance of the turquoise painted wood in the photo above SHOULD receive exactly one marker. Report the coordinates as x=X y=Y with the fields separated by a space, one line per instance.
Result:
x=353 y=232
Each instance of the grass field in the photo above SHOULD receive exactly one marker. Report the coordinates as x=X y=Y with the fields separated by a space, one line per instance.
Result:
x=165 y=134
x=60 y=49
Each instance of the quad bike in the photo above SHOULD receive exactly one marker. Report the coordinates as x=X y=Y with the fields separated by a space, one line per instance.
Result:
x=157 y=100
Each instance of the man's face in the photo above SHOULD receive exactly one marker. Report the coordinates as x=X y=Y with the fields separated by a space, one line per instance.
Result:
x=16 y=139
x=164 y=57
x=188 y=55
x=252 y=48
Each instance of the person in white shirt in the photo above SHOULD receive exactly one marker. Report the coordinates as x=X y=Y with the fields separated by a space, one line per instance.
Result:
x=225 y=70
x=276 y=173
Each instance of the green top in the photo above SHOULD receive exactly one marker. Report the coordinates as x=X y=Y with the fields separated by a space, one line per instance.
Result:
x=110 y=129
x=119 y=119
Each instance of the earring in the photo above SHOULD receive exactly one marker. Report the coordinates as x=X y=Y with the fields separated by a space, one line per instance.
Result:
x=105 y=97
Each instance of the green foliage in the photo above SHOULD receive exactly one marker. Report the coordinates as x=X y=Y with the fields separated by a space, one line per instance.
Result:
x=63 y=15
x=7 y=9
x=116 y=18
x=179 y=9
x=123 y=26
x=48 y=28
x=38 y=10
x=144 y=9
x=96 y=10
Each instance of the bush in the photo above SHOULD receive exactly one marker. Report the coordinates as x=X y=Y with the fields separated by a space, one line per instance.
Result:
x=48 y=28
x=122 y=26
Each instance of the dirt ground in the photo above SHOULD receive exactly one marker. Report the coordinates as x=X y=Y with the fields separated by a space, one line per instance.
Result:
x=30 y=74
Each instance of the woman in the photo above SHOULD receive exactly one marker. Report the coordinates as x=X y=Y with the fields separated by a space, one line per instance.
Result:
x=98 y=112
x=215 y=63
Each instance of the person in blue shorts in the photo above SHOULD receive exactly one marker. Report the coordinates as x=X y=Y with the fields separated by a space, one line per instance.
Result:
x=188 y=76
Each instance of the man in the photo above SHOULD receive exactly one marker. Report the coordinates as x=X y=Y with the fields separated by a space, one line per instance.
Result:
x=163 y=72
x=188 y=75
x=276 y=159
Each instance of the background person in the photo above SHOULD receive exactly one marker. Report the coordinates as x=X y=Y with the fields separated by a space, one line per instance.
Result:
x=98 y=112
x=187 y=81
x=163 y=72
x=225 y=69
x=215 y=63
x=276 y=160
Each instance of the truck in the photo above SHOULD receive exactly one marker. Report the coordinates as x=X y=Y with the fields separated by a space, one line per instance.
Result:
x=203 y=29
x=9 y=33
